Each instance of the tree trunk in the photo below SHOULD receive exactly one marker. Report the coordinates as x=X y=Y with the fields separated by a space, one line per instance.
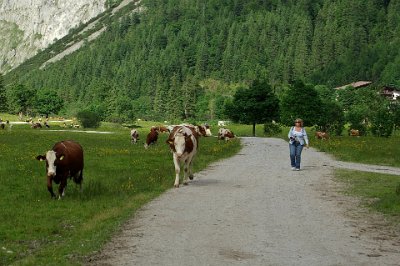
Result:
x=254 y=129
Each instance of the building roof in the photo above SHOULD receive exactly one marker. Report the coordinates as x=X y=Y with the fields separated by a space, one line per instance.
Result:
x=357 y=84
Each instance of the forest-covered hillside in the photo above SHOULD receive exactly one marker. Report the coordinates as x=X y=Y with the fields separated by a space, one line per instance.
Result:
x=182 y=59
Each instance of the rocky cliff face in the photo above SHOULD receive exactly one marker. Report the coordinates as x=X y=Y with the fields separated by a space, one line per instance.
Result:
x=27 y=26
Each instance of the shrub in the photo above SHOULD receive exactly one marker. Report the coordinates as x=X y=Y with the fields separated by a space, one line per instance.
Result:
x=272 y=129
x=88 y=119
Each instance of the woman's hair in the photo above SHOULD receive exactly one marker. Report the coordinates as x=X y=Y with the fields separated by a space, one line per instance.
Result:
x=298 y=120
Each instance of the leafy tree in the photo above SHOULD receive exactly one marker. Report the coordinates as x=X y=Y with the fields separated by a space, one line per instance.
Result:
x=3 y=95
x=88 y=119
x=382 y=122
x=301 y=101
x=254 y=105
x=47 y=102
x=20 y=98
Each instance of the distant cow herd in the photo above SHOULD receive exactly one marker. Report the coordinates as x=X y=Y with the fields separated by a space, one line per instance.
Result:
x=65 y=160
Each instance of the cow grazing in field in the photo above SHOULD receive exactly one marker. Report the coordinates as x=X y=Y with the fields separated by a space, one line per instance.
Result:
x=225 y=134
x=36 y=125
x=162 y=129
x=183 y=143
x=134 y=136
x=322 y=135
x=151 y=137
x=354 y=132
x=63 y=161
x=203 y=130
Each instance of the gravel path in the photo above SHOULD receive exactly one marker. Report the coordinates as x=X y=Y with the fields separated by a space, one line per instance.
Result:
x=251 y=209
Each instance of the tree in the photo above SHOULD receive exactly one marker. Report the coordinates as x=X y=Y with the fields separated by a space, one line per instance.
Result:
x=257 y=104
x=20 y=98
x=3 y=96
x=47 y=102
x=300 y=101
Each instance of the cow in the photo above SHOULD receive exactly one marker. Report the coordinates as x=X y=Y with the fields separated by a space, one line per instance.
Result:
x=63 y=161
x=151 y=137
x=183 y=143
x=162 y=129
x=354 y=132
x=322 y=135
x=203 y=130
x=225 y=134
x=36 y=125
x=134 y=136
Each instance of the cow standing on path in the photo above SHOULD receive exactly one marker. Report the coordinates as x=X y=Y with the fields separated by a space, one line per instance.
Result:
x=64 y=160
x=183 y=143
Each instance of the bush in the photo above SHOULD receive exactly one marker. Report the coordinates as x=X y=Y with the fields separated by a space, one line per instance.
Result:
x=89 y=119
x=272 y=129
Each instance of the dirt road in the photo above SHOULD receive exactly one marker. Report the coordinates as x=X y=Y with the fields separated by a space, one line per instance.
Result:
x=252 y=209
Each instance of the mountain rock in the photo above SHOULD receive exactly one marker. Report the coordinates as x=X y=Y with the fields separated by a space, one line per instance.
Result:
x=27 y=26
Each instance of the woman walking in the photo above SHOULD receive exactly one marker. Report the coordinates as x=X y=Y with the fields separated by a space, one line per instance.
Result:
x=297 y=139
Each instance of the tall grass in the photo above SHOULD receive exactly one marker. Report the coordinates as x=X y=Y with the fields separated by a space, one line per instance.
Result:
x=119 y=177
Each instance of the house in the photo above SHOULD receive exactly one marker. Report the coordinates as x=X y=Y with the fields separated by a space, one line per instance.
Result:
x=357 y=84
x=390 y=92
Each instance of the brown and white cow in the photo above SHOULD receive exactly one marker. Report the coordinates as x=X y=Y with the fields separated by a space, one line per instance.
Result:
x=225 y=134
x=322 y=135
x=183 y=143
x=64 y=160
x=152 y=137
x=134 y=136
x=354 y=132
x=203 y=130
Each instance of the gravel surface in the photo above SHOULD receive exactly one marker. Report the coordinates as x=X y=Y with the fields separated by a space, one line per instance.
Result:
x=251 y=209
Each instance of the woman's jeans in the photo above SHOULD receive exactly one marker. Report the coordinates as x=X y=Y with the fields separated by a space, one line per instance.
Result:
x=295 y=154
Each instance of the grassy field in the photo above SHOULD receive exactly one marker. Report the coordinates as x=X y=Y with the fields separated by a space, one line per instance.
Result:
x=119 y=177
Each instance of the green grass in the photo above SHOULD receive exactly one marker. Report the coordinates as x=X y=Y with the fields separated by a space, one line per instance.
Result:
x=378 y=191
x=366 y=149
x=118 y=179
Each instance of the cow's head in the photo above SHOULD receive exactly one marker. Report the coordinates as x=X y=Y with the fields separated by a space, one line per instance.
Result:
x=52 y=160
x=178 y=142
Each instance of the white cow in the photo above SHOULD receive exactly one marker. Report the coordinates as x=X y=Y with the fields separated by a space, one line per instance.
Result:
x=134 y=136
x=225 y=134
x=183 y=143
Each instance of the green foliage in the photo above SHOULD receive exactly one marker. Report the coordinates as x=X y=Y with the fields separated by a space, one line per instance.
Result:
x=272 y=129
x=89 y=119
x=382 y=122
x=254 y=105
x=301 y=101
x=3 y=95
x=20 y=99
x=174 y=46
x=47 y=102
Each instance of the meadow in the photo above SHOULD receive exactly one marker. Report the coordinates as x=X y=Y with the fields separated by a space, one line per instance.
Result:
x=119 y=177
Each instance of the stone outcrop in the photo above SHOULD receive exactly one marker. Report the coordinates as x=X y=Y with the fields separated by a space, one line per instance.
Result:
x=27 y=26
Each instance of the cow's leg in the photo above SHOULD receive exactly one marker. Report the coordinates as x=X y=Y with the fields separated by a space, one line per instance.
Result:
x=177 y=171
x=186 y=171
x=50 y=186
x=61 y=188
x=78 y=178
x=191 y=168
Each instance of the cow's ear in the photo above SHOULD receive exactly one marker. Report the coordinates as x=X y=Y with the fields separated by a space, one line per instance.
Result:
x=170 y=141
x=40 y=157
x=62 y=157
